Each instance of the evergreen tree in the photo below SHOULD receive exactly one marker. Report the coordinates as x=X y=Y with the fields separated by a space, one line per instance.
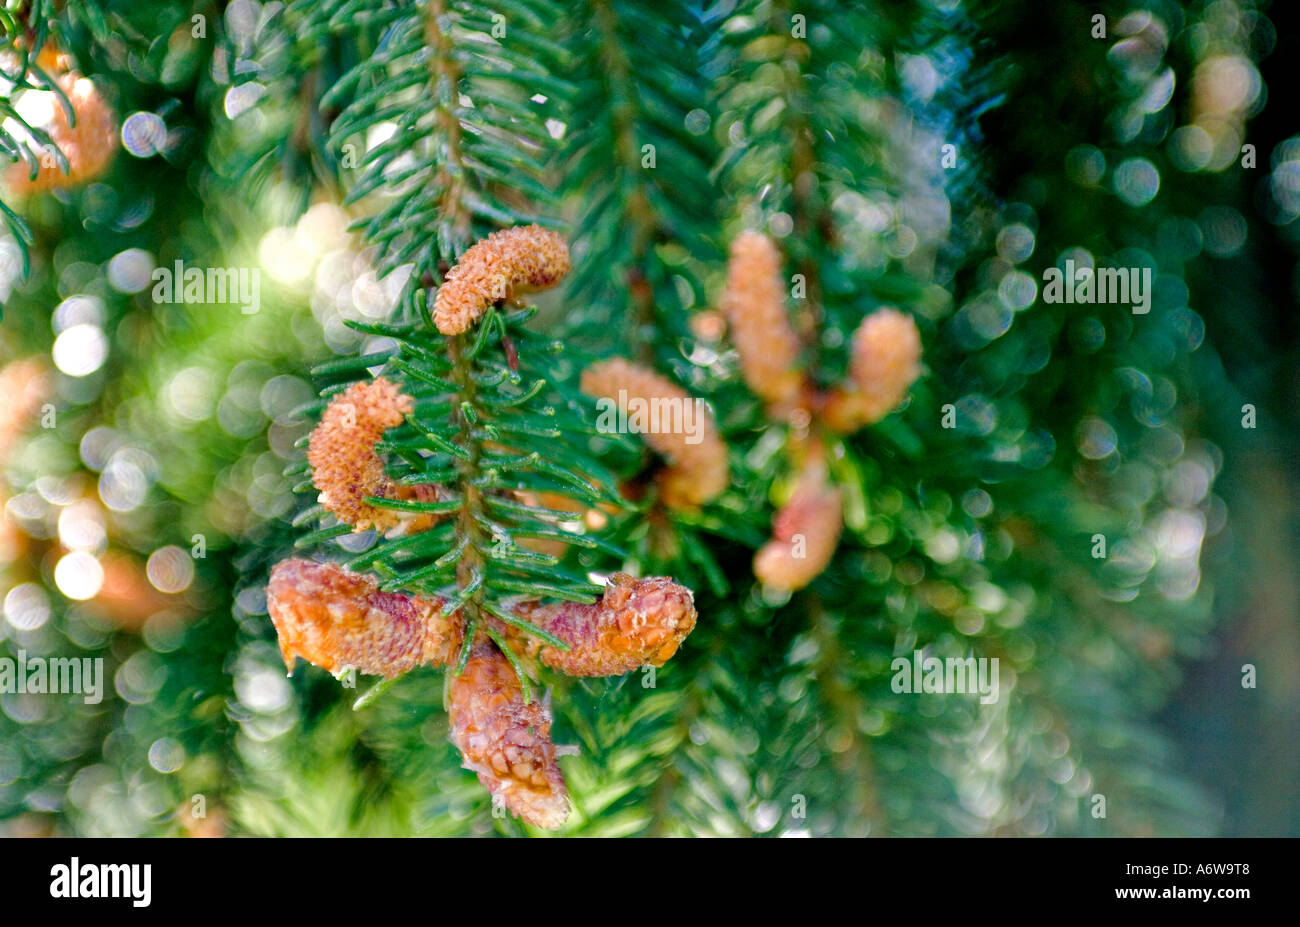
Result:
x=486 y=239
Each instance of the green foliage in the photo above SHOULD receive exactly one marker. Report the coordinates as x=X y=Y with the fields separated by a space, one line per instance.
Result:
x=633 y=165
x=427 y=125
x=496 y=431
x=20 y=44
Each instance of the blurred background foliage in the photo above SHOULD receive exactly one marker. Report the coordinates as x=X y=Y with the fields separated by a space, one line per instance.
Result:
x=145 y=444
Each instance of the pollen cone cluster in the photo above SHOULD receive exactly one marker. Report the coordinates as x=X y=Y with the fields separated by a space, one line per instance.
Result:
x=345 y=467
x=89 y=145
x=504 y=265
x=697 y=468
x=507 y=742
x=884 y=363
x=338 y=620
x=805 y=533
x=754 y=306
x=885 y=355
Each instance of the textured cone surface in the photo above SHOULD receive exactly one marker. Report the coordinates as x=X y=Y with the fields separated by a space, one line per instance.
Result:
x=754 y=304
x=89 y=146
x=505 y=741
x=885 y=362
x=698 y=470
x=506 y=264
x=345 y=467
x=636 y=621
x=805 y=533
x=337 y=619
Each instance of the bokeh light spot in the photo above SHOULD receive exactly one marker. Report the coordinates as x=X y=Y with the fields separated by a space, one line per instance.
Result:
x=79 y=575
x=170 y=569
x=81 y=350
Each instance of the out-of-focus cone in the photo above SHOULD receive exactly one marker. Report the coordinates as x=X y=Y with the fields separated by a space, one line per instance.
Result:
x=24 y=385
x=754 y=305
x=89 y=145
x=127 y=599
x=697 y=469
x=885 y=362
x=211 y=824
x=805 y=533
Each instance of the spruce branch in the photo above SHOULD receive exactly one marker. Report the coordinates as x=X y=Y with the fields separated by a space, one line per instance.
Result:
x=445 y=77
x=637 y=208
x=468 y=554
x=462 y=141
x=635 y=164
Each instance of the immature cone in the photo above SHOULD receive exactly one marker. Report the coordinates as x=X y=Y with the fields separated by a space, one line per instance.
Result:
x=754 y=304
x=508 y=743
x=885 y=362
x=502 y=266
x=337 y=619
x=89 y=146
x=345 y=467
x=636 y=621
x=697 y=470
x=805 y=533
